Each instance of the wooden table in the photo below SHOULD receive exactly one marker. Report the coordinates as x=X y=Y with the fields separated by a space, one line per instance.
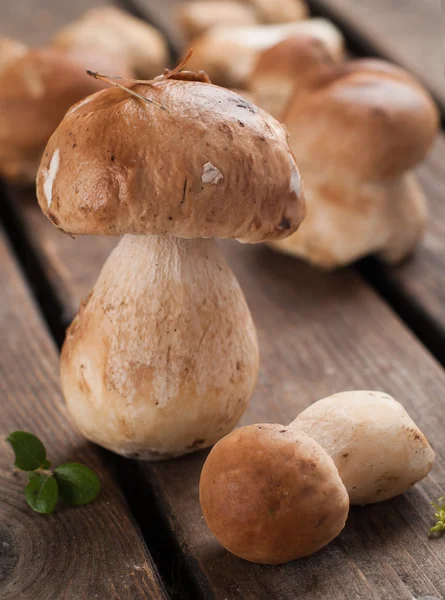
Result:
x=367 y=327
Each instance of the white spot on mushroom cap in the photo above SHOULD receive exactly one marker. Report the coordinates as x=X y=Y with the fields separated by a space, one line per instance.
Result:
x=78 y=105
x=50 y=177
x=295 y=180
x=211 y=174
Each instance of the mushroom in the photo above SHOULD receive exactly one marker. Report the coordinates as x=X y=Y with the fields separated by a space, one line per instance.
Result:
x=271 y=494
x=118 y=35
x=162 y=358
x=228 y=54
x=369 y=124
x=377 y=448
x=198 y=16
x=39 y=85
x=290 y=68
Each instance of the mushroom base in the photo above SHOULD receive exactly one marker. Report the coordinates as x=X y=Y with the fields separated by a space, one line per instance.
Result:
x=162 y=358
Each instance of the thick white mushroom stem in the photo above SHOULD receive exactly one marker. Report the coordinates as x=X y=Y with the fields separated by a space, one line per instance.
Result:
x=162 y=358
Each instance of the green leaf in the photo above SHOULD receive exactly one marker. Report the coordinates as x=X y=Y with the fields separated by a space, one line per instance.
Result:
x=46 y=464
x=77 y=483
x=30 y=453
x=42 y=493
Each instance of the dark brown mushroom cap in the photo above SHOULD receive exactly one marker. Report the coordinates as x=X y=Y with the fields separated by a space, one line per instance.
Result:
x=271 y=495
x=210 y=165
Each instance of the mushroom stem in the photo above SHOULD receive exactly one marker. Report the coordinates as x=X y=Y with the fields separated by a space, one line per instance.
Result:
x=162 y=358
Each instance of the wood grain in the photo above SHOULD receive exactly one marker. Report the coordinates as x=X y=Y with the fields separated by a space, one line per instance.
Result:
x=93 y=551
x=409 y=32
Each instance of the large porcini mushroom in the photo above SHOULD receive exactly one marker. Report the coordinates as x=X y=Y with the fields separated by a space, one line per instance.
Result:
x=39 y=85
x=369 y=124
x=162 y=358
x=377 y=448
x=198 y=16
x=271 y=494
x=228 y=54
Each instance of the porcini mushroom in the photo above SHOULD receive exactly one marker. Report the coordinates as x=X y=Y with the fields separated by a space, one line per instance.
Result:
x=162 y=358
x=377 y=448
x=271 y=494
x=119 y=35
x=198 y=16
x=39 y=85
x=368 y=124
x=228 y=54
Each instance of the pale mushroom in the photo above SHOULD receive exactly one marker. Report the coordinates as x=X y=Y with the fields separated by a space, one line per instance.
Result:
x=271 y=494
x=198 y=16
x=357 y=131
x=39 y=85
x=162 y=358
x=377 y=448
x=228 y=54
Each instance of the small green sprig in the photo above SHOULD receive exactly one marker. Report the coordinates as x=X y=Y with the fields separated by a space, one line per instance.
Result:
x=73 y=483
x=439 y=527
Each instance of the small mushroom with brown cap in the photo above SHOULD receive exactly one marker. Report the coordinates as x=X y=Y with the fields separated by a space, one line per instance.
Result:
x=39 y=85
x=270 y=494
x=228 y=54
x=162 y=358
x=357 y=130
x=198 y=16
x=377 y=448
x=119 y=35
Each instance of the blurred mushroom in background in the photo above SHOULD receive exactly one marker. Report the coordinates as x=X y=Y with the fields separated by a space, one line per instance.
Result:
x=37 y=86
x=228 y=54
x=198 y=16
x=357 y=130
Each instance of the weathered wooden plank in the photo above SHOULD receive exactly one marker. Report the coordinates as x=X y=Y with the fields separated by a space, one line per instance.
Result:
x=319 y=334
x=93 y=551
x=408 y=32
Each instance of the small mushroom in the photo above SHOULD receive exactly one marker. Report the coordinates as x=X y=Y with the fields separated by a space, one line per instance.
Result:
x=377 y=448
x=162 y=358
x=369 y=124
x=228 y=54
x=117 y=34
x=271 y=494
x=198 y=16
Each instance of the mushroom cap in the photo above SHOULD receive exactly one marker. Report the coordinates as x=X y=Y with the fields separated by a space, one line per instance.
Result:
x=118 y=34
x=364 y=103
x=280 y=11
x=291 y=66
x=228 y=54
x=197 y=17
x=35 y=92
x=210 y=165
x=378 y=449
x=271 y=494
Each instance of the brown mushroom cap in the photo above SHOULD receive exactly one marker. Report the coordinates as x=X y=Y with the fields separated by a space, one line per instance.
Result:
x=10 y=51
x=35 y=92
x=210 y=165
x=117 y=34
x=271 y=494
